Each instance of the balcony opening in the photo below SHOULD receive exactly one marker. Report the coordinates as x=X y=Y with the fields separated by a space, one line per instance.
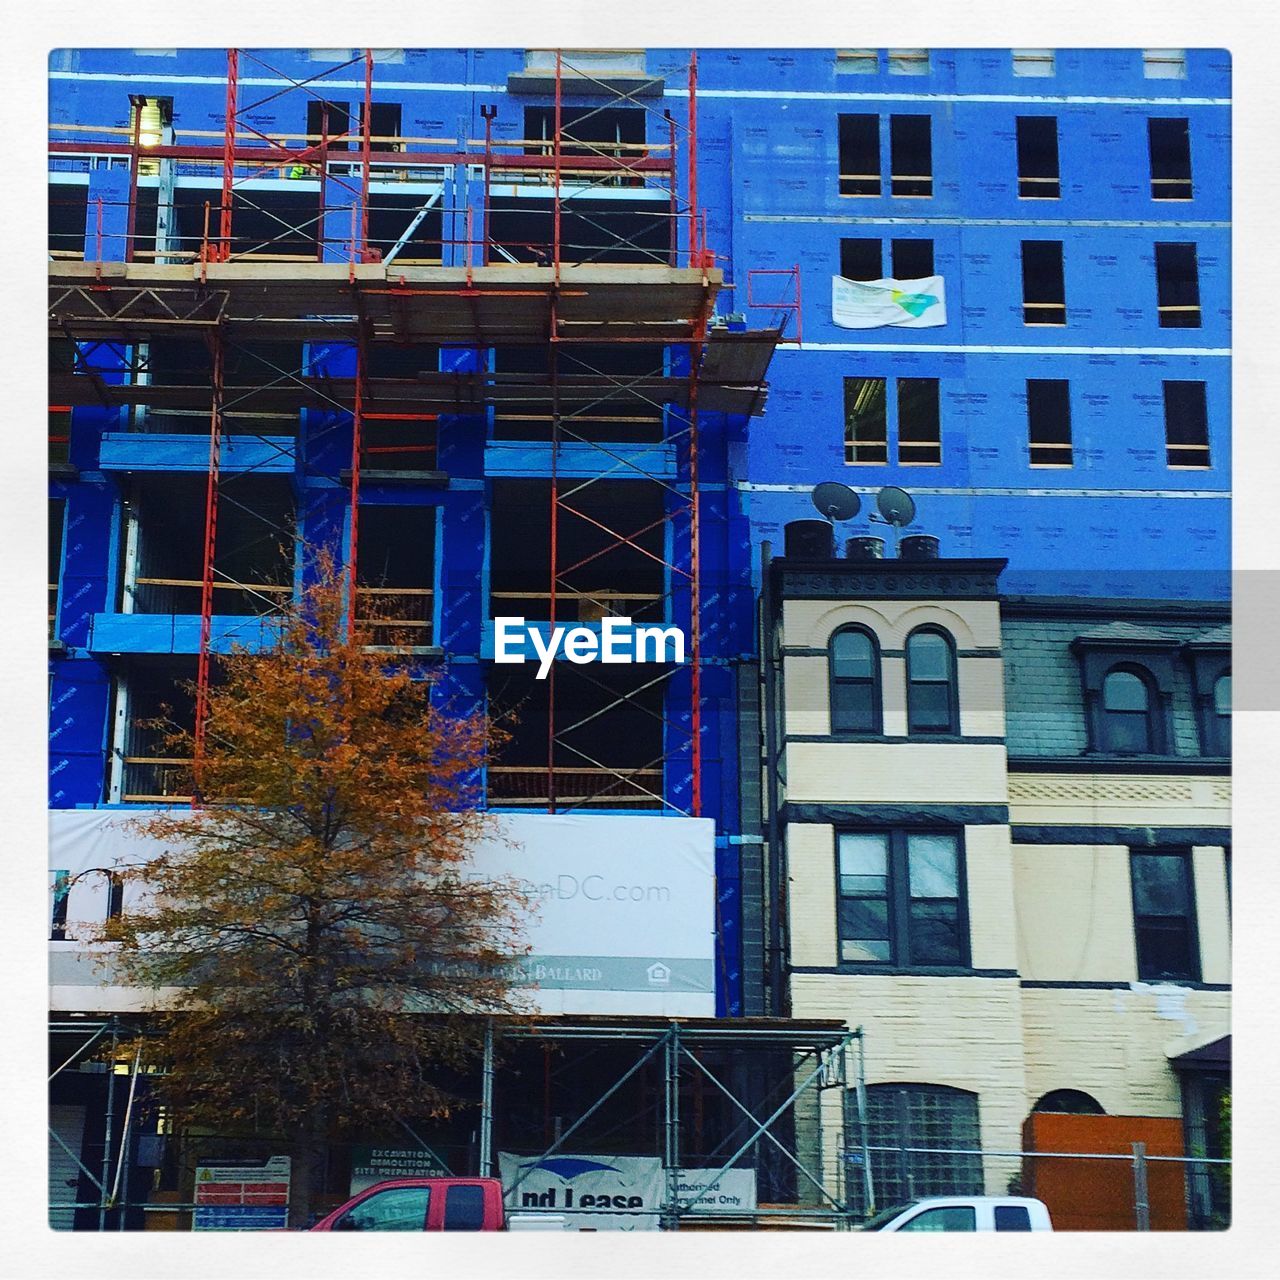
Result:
x=273 y=226
x=253 y=563
x=395 y=573
x=1169 y=145
x=859 y=142
x=399 y=435
x=150 y=698
x=597 y=231
x=596 y=404
x=614 y=132
x=258 y=383
x=68 y=221
x=1037 y=146
x=910 y=155
x=1044 y=298
x=406 y=228
x=609 y=746
x=599 y=574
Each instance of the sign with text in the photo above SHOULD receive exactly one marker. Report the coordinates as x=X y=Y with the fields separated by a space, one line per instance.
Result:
x=251 y=1196
x=622 y=917
x=376 y=1164
x=594 y=1193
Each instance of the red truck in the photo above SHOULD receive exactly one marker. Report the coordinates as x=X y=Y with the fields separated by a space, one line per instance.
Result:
x=433 y=1204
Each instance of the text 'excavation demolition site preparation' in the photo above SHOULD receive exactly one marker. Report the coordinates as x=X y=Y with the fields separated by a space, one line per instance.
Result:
x=617 y=640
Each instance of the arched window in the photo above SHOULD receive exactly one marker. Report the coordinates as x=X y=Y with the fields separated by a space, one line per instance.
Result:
x=1222 y=696
x=855 y=682
x=1127 y=727
x=921 y=1116
x=931 y=682
x=1070 y=1102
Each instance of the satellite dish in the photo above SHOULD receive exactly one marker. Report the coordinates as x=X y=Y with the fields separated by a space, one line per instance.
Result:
x=836 y=501
x=896 y=506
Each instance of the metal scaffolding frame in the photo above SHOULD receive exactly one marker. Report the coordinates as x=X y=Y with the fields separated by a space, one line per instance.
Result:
x=233 y=294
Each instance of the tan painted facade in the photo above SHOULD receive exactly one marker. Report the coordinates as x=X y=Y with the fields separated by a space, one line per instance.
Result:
x=1054 y=1000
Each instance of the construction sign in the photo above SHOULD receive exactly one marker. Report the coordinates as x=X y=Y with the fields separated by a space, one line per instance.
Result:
x=252 y=1196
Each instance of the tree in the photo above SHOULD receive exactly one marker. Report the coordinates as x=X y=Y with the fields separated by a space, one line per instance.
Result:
x=331 y=949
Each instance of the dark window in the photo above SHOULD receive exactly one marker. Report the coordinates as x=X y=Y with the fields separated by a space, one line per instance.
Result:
x=1049 y=422
x=1012 y=1217
x=860 y=259
x=900 y=899
x=58 y=920
x=931 y=683
x=866 y=434
x=464 y=1209
x=1044 y=295
x=904 y=1121
x=950 y=1217
x=1177 y=286
x=115 y=895
x=1186 y=425
x=919 y=424
x=1127 y=726
x=1070 y=1102
x=1038 y=177
x=1216 y=717
x=328 y=120
x=1163 y=915
x=855 y=682
x=912 y=259
x=586 y=131
x=910 y=156
x=860 y=155
x=396 y=1209
x=1169 y=142
x=384 y=126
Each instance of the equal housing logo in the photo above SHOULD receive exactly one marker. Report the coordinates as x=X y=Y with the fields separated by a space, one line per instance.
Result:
x=616 y=641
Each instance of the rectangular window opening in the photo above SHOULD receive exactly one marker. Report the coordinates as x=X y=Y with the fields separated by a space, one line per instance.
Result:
x=1033 y=62
x=910 y=156
x=1186 y=424
x=919 y=423
x=384 y=126
x=1163 y=915
x=1164 y=64
x=912 y=259
x=1037 y=144
x=395 y=574
x=866 y=431
x=1177 y=286
x=859 y=142
x=1049 y=422
x=329 y=120
x=858 y=62
x=1169 y=145
x=908 y=62
x=1044 y=299
x=860 y=259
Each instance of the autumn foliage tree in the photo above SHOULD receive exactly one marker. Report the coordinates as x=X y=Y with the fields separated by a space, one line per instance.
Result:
x=331 y=948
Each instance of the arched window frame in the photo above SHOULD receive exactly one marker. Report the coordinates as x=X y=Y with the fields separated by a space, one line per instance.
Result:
x=1209 y=662
x=1107 y=725
x=1153 y=660
x=952 y=682
x=875 y=680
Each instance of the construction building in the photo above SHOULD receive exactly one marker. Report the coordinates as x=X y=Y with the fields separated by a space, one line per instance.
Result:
x=553 y=334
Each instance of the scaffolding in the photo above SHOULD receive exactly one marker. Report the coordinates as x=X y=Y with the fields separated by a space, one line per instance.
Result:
x=776 y=1128
x=230 y=277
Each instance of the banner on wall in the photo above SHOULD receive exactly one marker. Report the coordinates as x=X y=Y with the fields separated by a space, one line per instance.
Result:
x=875 y=304
x=623 y=916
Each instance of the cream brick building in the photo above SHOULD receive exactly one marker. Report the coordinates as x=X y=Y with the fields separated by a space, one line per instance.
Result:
x=998 y=834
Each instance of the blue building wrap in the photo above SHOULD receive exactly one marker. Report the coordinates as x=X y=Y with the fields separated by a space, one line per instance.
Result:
x=1118 y=521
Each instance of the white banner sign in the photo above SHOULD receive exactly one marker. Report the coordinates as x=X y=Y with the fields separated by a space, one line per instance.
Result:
x=618 y=1193
x=873 y=304
x=623 y=921
x=595 y=1193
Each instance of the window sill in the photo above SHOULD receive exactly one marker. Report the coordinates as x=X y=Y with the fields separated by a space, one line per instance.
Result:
x=904 y=971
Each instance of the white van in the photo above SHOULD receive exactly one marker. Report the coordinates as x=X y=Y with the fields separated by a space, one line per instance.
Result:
x=964 y=1213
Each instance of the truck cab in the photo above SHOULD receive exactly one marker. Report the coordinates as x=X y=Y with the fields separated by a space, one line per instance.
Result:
x=421 y=1204
x=964 y=1213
